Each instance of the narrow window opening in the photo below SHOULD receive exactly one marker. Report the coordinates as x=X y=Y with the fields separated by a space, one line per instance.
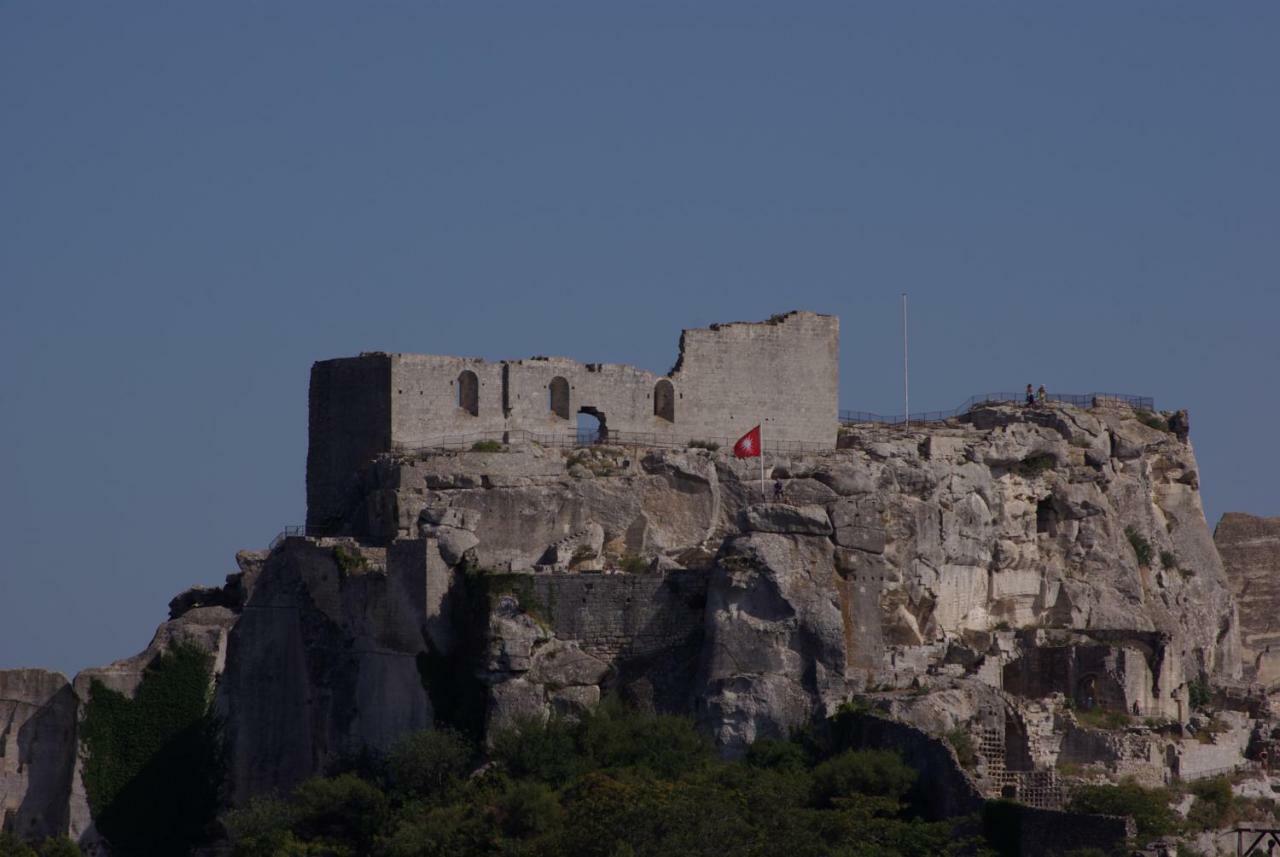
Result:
x=558 y=397
x=469 y=393
x=664 y=401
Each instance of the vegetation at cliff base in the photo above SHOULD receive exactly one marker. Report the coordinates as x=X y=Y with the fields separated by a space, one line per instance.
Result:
x=54 y=846
x=617 y=783
x=153 y=764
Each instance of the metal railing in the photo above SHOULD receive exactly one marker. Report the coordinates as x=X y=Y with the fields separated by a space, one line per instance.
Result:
x=300 y=530
x=1080 y=400
x=575 y=440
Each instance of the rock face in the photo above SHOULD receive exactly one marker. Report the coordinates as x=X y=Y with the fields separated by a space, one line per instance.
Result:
x=37 y=751
x=1003 y=575
x=1250 y=549
x=42 y=792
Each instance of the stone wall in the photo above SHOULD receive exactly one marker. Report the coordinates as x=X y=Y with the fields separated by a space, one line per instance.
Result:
x=782 y=374
x=348 y=423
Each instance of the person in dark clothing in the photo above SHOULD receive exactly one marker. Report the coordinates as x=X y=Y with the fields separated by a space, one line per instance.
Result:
x=777 y=490
x=1031 y=396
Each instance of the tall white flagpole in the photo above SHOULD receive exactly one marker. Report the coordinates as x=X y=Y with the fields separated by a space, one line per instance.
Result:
x=906 y=388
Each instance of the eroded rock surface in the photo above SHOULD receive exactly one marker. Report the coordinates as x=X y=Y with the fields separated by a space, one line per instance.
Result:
x=1250 y=549
x=1004 y=576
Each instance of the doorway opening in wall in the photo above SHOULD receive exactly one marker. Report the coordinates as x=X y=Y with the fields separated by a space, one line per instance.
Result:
x=591 y=426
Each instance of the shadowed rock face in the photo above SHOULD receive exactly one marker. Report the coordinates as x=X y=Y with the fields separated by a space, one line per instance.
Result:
x=1051 y=552
x=1250 y=549
x=37 y=751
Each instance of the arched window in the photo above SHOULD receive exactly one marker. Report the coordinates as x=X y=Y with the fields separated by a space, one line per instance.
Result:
x=559 y=398
x=469 y=393
x=664 y=400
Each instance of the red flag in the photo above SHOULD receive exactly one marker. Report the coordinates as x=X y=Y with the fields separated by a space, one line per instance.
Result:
x=748 y=446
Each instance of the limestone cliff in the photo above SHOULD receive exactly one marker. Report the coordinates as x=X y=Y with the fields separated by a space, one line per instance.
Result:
x=987 y=574
x=1250 y=549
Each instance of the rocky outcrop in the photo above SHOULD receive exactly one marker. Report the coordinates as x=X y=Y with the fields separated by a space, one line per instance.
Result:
x=989 y=576
x=37 y=751
x=1250 y=549
x=322 y=661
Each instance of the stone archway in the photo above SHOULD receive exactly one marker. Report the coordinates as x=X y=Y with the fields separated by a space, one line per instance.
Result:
x=592 y=427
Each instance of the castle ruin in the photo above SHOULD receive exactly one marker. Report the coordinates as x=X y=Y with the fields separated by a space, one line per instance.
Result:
x=782 y=373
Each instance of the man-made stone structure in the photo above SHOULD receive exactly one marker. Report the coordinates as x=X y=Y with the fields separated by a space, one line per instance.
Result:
x=1250 y=548
x=782 y=374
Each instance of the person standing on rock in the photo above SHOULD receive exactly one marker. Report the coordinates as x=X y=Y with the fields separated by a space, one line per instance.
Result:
x=777 y=491
x=1031 y=397
x=1042 y=398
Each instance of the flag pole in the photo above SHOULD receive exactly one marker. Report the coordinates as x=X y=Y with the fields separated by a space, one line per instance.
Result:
x=906 y=389
x=763 y=497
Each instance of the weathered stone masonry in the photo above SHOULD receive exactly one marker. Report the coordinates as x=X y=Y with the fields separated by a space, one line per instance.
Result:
x=782 y=373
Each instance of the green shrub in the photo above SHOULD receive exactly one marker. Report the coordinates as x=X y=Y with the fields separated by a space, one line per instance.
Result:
x=1214 y=805
x=1147 y=418
x=349 y=559
x=444 y=831
x=614 y=736
x=12 y=846
x=153 y=764
x=632 y=564
x=1102 y=718
x=1199 y=693
x=1036 y=465
x=874 y=773
x=962 y=742
x=531 y=749
x=54 y=846
x=704 y=444
x=1141 y=547
x=777 y=755
x=429 y=763
x=1168 y=560
x=527 y=809
x=618 y=782
x=58 y=846
x=340 y=811
x=263 y=828
x=487 y=446
x=1149 y=807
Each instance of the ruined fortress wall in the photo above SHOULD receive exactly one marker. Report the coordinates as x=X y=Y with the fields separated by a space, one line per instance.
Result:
x=783 y=373
x=425 y=405
x=349 y=422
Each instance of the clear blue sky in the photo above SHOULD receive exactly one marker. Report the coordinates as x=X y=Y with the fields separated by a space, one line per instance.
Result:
x=197 y=200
